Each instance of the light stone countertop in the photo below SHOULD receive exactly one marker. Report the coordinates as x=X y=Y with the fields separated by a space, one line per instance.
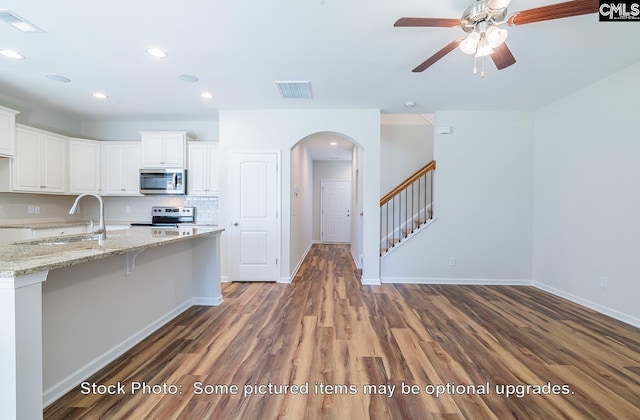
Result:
x=55 y=224
x=29 y=256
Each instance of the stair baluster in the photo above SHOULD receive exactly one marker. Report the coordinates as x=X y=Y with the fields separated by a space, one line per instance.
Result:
x=415 y=213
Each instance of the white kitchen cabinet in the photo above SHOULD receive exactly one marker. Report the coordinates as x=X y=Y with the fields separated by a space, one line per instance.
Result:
x=84 y=166
x=164 y=149
x=203 y=174
x=121 y=163
x=40 y=161
x=7 y=131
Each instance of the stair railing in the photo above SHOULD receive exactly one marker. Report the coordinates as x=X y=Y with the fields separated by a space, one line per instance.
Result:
x=407 y=207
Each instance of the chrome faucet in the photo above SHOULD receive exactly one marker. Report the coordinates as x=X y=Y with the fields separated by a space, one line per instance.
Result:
x=101 y=231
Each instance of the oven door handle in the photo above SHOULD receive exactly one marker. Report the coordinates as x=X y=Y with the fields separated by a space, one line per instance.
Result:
x=175 y=181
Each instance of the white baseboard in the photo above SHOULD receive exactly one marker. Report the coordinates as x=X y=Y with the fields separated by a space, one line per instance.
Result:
x=620 y=316
x=356 y=260
x=207 y=301
x=295 y=271
x=435 y=280
x=370 y=282
x=58 y=390
x=225 y=279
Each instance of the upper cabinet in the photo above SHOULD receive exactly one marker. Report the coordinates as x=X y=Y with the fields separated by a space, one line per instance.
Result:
x=40 y=162
x=84 y=166
x=7 y=131
x=164 y=149
x=121 y=162
x=203 y=168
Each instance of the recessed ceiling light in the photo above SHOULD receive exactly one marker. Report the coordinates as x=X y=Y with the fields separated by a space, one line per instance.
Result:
x=157 y=52
x=206 y=95
x=58 y=78
x=188 y=78
x=99 y=95
x=333 y=143
x=19 y=23
x=12 y=54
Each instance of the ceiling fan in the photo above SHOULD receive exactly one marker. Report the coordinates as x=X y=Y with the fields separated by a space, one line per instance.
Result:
x=482 y=21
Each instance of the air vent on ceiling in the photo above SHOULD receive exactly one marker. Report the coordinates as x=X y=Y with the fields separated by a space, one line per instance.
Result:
x=294 y=90
x=19 y=23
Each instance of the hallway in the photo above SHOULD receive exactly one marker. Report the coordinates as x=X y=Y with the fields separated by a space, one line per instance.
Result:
x=326 y=347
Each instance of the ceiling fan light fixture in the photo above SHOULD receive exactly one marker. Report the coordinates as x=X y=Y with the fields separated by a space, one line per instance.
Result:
x=469 y=45
x=496 y=36
x=484 y=48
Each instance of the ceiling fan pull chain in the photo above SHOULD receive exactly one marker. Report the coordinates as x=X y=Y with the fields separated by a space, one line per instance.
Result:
x=482 y=72
x=475 y=65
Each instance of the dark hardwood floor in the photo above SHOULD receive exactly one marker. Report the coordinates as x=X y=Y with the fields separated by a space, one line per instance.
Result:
x=327 y=347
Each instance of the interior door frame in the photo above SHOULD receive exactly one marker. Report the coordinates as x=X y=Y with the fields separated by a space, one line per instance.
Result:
x=278 y=155
x=322 y=181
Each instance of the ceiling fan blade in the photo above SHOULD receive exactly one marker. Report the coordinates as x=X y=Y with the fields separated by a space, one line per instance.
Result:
x=502 y=57
x=554 y=11
x=427 y=22
x=437 y=56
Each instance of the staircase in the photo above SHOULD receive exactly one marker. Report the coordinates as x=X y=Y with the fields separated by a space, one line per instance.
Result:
x=406 y=209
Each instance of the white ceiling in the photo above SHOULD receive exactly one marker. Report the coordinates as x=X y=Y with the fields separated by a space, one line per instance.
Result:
x=348 y=50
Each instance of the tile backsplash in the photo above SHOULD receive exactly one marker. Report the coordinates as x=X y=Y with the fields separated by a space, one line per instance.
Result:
x=16 y=207
x=25 y=208
x=206 y=208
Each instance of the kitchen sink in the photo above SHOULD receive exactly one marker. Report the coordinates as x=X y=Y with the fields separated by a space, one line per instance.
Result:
x=63 y=240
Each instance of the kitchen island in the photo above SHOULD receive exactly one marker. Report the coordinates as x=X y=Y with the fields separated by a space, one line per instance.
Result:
x=70 y=306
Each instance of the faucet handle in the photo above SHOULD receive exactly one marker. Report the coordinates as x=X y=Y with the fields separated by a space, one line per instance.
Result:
x=91 y=226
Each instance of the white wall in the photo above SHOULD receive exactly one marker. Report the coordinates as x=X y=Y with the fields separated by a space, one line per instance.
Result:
x=42 y=118
x=483 y=189
x=326 y=169
x=280 y=130
x=301 y=204
x=587 y=196
x=404 y=148
x=53 y=208
x=129 y=130
x=357 y=204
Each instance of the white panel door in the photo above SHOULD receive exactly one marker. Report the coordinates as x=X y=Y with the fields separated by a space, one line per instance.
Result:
x=253 y=234
x=336 y=211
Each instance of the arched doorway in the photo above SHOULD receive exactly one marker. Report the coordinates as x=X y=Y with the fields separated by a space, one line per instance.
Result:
x=335 y=160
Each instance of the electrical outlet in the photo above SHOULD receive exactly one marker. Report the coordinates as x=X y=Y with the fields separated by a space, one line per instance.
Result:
x=604 y=282
x=127 y=209
x=452 y=261
x=37 y=209
x=31 y=209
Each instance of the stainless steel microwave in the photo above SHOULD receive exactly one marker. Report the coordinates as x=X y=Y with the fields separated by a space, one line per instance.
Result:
x=163 y=181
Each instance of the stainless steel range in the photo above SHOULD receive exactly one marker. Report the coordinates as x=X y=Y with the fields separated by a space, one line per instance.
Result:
x=169 y=216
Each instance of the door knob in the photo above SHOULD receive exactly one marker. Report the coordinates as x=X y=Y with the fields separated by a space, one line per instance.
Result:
x=235 y=224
